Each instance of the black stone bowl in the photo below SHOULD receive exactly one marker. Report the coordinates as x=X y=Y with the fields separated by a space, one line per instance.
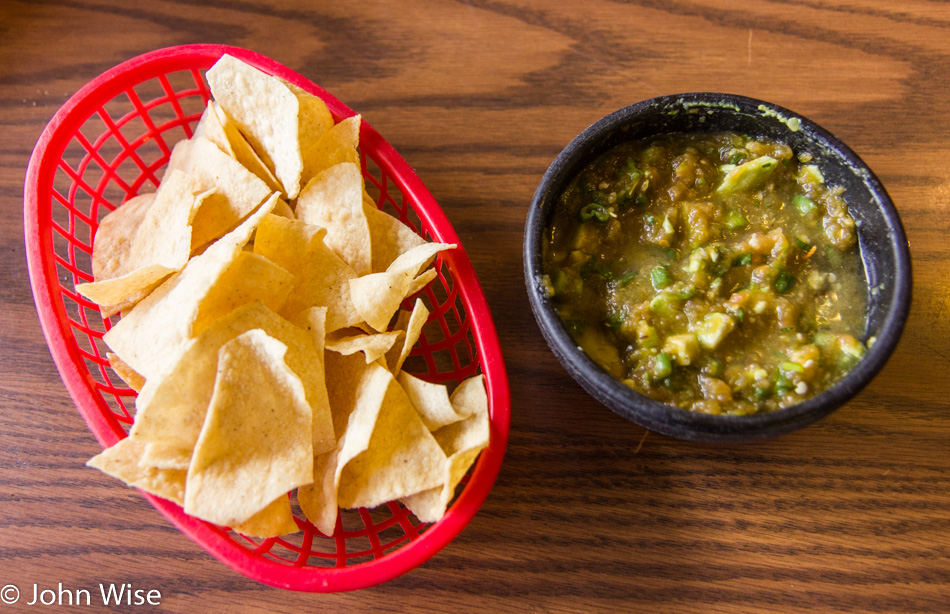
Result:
x=881 y=236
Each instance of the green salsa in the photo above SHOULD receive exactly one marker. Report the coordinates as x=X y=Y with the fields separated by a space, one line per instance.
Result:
x=717 y=272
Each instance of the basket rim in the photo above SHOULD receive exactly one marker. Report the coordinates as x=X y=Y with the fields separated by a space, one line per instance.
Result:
x=54 y=320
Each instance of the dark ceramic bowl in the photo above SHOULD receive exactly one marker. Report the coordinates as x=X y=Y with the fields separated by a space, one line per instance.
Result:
x=881 y=236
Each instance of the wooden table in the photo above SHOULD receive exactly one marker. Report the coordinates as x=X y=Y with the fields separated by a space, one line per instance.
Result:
x=589 y=512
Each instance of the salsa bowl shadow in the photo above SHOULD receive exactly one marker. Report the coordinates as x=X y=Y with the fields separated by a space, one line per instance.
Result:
x=883 y=246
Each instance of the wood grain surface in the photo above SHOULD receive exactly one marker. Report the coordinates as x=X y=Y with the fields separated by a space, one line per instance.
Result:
x=589 y=512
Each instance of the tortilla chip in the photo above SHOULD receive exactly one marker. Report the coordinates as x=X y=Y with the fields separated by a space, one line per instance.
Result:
x=462 y=442
x=421 y=281
x=431 y=401
x=267 y=113
x=249 y=278
x=377 y=296
x=114 y=236
x=237 y=191
x=391 y=238
x=321 y=278
x=338 y=144
x=314 y=118
x=334 y=200
x=163 y=235
x=282 y=209
x=387 y=452
x=318 y=500
x=246 y=458
x=344 y=374
x=161 y=456
x=122 y=461
x=171 y=409
x=127 y=373
x=152 y=335
x=373 y=346
x=160 y=246
x=412 y=323
x=220 y=130
x=273 y=521
x=313 y=321
x=285 y=241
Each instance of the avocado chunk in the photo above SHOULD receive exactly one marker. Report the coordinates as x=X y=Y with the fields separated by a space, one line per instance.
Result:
x=747 y=176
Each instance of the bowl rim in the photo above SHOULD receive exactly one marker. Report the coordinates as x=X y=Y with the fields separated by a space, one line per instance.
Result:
x=68 y=360
x=667 y=419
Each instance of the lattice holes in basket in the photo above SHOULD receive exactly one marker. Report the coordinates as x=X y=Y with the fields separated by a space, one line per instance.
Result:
x=120 y=151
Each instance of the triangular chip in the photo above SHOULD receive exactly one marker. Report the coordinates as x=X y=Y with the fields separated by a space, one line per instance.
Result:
x=412 y=323
x=338 y=144
x=171 y=410
x=377 y=296
x=245 y=458
x=421 y=281
x=344 y=374
x=127 y=373
x=237 y=191
x=391 y=238
x=114 y=236
x=220 y=130
x=266 y=111
x=273 y=521
x=249 y=278
x=373 y=345
x=314 y=118
x=321 y=278
x=285 y=241
x=318 y=500
x=313 y=321
x=334 y=200
x=160 y=246
x=387 y=452
x=152 y=335
x=430 y=400
x=161 y=456
x=122 y=461
x=462 y=442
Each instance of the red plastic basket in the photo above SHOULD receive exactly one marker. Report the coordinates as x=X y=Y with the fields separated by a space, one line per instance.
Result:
x=111 y=140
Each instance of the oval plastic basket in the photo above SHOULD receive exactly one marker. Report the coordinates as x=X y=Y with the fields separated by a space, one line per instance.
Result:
x=111 y=140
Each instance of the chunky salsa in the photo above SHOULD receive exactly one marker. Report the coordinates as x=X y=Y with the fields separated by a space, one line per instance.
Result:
x=715 y=272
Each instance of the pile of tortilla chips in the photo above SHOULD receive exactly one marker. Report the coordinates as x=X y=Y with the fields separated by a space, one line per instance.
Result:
x=260 y=291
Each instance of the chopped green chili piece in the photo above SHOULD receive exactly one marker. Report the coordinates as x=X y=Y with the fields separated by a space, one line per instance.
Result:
x=594 y=211
x=626 y=278
x=735 y=220
x=791 y=367
x=660 y=277
x=742 y=260
x=662 y=365
x=783 y=282
x=804 y=204
x=802 y=245
x=594 y=268
x=685 y=295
